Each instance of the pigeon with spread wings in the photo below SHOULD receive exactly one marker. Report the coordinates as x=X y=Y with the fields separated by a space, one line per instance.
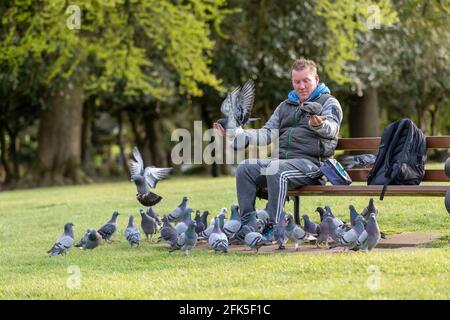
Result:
x=237 y=106
x=146 y=179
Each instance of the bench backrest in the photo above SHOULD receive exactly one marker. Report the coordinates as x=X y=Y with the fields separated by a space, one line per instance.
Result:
x=372 y=143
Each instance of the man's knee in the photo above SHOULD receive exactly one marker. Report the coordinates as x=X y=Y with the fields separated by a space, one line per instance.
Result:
x=241 y=168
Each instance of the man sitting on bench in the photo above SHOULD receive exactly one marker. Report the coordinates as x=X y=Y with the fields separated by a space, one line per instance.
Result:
x=308 y=124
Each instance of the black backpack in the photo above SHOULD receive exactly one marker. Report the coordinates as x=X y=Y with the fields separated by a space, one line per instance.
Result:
x=401 y=156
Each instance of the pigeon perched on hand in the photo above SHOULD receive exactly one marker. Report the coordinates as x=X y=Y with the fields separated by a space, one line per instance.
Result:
x=64 y=242
x=148 y=224
x=146 y=179
x=178 y=213
x=108 y=230
x=90 y=240
x=132 y=233
x=217 y=239
x=237 y=106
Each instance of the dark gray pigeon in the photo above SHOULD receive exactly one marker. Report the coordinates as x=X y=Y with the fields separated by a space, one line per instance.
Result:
x=279 y=232
x=310 y=107
x=198 y=220
x=371 y=208
x=204 y=217
x=64 y=242
x=146 y=179
x=310 y=226
x=218 y=240
x=178 y=213
x=132 y=233
x=150 y=212
x=108 y=230
x=237 y=106
x=250 y=226
x=148 y=225
x=324 y=233
x=169 y=233
x=90 y=240
x=354 y=215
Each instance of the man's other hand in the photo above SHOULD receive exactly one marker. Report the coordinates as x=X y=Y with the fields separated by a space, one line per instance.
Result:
x=316 y=121
x=219 y=128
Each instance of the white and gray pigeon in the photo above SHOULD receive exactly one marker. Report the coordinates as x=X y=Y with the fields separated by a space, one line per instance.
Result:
x=183 y=225
x=250 y=226
x=90 y=240
x=370 y=237
x=349 y=238
x=169 y=233
x=234 y=223
x=110 y=228
x=148 y=224
x=64 y=242
x=188 y=239
x=295 y=233
x=146 y=179
x=263 y=215
x=204 y=235
x=237 y=106
x=178 y=213
x=255 y=240
x=218 y=240
x=371 y=208
x=132 y=234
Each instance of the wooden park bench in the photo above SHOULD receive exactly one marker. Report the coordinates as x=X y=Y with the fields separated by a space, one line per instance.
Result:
x=360 y=175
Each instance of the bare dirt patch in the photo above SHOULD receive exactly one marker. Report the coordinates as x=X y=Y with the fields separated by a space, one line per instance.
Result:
x=400 y=241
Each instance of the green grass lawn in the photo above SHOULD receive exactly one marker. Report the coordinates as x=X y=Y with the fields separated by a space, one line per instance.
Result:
x=31 y=220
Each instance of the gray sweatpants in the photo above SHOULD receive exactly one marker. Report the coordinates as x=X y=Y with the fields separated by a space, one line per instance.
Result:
x=281 y=175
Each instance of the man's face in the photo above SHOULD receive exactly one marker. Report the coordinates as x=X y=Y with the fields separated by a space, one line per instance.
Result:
x=304 y=83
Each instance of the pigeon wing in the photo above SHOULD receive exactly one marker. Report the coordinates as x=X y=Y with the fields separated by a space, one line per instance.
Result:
x=244 y=102
x=136 y=165
x=153 y=175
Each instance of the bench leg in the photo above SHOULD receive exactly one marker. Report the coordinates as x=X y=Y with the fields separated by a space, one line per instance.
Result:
x=447 y=200
x=297 y=209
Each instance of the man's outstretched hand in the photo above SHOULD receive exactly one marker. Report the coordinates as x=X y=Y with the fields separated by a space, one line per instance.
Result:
x=316 y=121
x=219 y=128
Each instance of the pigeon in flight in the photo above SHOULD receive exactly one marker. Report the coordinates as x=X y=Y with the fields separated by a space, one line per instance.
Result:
x=64 y=242
x=237 y=106
x=146 y=179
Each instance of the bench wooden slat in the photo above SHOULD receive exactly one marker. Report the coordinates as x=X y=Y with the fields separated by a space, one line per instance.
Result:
x=360 y=175
x=372 y=143
x=416 y=191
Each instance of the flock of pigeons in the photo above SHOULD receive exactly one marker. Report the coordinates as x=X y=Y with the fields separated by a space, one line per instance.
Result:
x=252 y=229
x=181 y=232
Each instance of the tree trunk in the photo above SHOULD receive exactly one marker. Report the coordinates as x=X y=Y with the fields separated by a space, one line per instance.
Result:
x=3 y=157
x=365 y=115
x=121 y=143
x=153 y=138
x=86 y=138
x=59 y=138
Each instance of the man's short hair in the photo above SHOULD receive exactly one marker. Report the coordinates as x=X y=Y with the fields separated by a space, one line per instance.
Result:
x=303 y=63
